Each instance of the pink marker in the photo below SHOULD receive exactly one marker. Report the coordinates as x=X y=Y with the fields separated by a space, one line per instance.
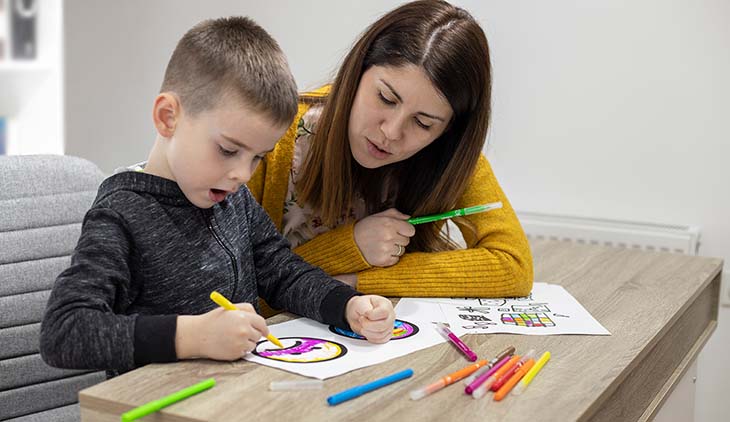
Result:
x=483 y=377
x=457 y=341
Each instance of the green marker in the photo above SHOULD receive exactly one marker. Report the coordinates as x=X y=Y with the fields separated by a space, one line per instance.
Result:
x=455 y=213
x=175 y=397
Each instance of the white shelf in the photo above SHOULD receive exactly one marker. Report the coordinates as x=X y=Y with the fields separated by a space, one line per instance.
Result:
x=31 y=91
x=9 y=67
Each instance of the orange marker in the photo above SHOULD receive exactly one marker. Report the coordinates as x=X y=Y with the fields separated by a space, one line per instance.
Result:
x=447 y=380
x=499 y=395
x=499 y=382
x=480 y=391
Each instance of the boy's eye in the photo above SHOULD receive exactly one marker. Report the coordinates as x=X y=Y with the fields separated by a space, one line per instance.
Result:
x=385 y=100
x=226 y=152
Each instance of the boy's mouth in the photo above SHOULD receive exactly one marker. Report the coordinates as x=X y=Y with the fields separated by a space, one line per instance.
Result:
x=217 y=195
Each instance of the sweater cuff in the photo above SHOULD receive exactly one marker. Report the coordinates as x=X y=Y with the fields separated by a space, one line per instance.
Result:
x=334 y=251
x=334 y=305
x=154 y=339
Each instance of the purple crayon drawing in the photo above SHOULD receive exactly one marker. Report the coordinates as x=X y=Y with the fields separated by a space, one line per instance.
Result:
x=301 y=350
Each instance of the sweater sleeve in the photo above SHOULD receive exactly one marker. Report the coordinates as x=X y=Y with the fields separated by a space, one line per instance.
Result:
x=496 y=263
x=334 y=251
x=286 y=281
x=83 y=327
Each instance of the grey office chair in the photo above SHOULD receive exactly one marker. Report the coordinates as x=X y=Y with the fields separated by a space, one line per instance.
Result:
x=43 y=200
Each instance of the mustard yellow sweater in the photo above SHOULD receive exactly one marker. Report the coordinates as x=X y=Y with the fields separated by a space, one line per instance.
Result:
x=497 y=262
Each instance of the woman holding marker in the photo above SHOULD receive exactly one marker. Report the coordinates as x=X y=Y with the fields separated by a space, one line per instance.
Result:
x=397 y=135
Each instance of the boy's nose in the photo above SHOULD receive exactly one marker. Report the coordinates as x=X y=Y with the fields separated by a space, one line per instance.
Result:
x=240 y=174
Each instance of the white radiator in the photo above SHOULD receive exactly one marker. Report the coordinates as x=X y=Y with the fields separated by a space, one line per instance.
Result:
x=623 y=234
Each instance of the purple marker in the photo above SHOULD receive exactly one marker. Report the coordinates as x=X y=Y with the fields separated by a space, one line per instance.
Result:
x=457 y=341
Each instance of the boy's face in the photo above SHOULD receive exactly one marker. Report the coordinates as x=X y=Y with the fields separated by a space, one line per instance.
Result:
x=213 y=153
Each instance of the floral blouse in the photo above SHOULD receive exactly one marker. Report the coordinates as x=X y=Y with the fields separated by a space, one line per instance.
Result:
x=300 y=223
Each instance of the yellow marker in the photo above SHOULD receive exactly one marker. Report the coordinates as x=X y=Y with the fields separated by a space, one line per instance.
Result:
x=531 y=374
x=226 y=304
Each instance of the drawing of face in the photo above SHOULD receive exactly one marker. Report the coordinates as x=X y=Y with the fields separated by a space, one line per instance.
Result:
x=300 y=350
x=401 y=329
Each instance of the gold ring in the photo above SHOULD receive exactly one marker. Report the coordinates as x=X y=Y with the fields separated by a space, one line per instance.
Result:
x=401 y=250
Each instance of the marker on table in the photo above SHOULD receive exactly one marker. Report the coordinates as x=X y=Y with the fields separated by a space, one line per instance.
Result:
x=226 y=304
x=447 y=380
x=366 y=388
x=501 y=355
x=509 y=374
x=531 y=374
x=455 y=213
x=480 y=391
x=456 y=340
x=505 y=389
x=296 y=385
x=479 y=380
x=175 y=397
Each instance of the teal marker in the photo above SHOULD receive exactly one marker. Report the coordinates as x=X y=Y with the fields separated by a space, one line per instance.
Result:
x=175 y=397
x=455 y=213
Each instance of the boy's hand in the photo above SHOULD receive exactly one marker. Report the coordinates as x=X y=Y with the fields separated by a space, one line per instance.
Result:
x=372 y=317
x=219 y=334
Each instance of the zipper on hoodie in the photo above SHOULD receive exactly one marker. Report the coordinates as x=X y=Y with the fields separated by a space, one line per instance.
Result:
x=209 y=222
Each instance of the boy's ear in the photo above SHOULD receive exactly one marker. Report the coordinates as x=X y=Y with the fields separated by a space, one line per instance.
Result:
x=165 y=113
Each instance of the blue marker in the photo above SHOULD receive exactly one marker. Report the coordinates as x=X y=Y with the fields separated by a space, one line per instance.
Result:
x=358 y=391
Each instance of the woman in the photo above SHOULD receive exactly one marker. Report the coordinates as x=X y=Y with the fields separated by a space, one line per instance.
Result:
x=399 y=133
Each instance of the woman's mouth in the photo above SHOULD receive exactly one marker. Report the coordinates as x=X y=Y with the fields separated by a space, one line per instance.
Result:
x=377 y=152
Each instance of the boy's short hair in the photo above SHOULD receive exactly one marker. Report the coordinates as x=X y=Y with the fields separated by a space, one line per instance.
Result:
x=218 y=57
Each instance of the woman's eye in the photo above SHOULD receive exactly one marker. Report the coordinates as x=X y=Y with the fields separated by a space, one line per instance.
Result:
x=385 y=100
x=226 y=152
x=422 y=125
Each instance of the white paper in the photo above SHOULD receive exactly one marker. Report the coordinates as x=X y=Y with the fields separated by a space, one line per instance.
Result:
x=329 y=354
x=548 y=310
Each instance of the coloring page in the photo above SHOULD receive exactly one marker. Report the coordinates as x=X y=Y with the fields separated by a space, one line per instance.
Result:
x=548 y=310
x=320 y=351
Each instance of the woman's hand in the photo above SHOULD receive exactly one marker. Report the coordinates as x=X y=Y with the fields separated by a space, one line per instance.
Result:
x=383 y=237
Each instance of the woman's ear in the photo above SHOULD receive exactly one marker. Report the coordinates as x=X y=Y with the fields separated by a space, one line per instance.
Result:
x=165 y=114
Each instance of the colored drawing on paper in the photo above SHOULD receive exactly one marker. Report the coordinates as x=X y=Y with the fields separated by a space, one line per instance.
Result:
x=401 y=329
x=300 y=350
x=534 y=319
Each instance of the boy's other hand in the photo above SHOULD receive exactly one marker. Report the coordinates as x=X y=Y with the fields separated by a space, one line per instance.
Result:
x=219 y=334
x=372 y=317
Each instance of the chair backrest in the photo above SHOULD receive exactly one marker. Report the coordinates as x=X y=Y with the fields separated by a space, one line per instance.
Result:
x=43 y=200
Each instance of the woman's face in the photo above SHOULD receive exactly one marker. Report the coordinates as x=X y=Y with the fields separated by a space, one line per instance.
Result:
x=396 y=113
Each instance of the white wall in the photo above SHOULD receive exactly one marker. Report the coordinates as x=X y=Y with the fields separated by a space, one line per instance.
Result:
x=615 y=109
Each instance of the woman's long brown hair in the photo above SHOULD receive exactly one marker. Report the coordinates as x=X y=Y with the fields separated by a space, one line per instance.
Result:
x=451 y=48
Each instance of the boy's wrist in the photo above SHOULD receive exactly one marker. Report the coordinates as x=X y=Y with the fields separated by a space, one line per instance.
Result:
x=186 y=340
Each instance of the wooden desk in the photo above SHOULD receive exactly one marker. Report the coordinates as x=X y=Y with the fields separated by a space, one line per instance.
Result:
x=660 y=308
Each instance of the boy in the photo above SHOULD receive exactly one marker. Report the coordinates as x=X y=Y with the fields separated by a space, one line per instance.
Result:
x=157 y=242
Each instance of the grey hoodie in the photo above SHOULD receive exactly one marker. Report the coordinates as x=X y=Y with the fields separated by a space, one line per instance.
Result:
x=146 y=255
